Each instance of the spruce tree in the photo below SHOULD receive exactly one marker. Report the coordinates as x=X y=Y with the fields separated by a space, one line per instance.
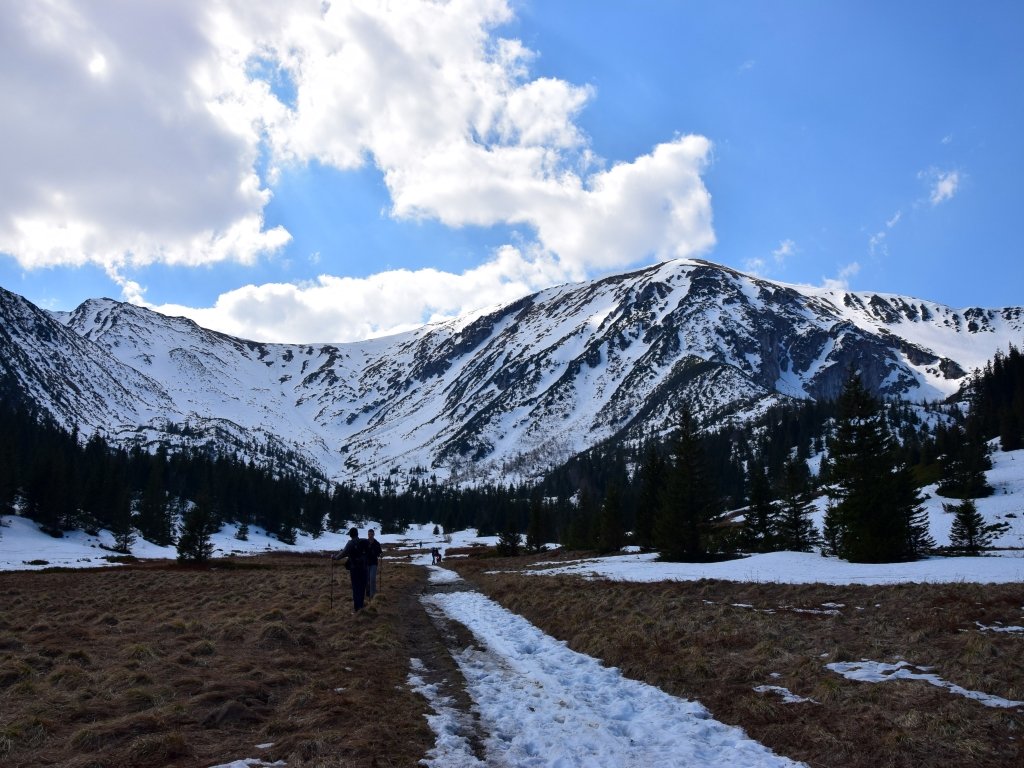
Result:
x=907 y=502
x=535 y=526
x=969 y=533
x=154 y=517
x=795 y=530
x=874 y=515
x=683 y=526
x=651 y=482
x=610 y=528
x=964 y=463
x=199 y=525
x=123 y=524
x=509 y=541
x=1010 y=433
x=581 y=532
x=760 y=521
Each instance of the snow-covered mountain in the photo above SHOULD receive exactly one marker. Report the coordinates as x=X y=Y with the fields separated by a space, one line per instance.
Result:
x=507 y=391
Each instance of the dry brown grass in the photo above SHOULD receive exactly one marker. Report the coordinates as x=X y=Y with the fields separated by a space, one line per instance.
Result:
x=716 y=641
x=159 y=665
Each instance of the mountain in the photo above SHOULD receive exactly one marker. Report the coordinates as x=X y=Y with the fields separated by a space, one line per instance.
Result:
x=498 y=394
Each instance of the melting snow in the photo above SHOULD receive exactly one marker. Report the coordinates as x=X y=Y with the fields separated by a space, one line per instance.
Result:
x=542 y=704
x=880 y=672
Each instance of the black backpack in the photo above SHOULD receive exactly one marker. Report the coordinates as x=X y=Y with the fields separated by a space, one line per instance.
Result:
x=358 y=554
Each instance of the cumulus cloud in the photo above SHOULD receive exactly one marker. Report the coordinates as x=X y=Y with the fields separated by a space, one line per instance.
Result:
x=137 y=134
x=335 y=309
x=109 y=151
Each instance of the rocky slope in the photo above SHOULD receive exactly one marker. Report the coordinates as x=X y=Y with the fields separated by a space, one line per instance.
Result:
x=497 y=394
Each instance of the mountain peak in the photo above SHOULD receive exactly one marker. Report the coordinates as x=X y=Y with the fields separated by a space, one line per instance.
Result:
x=507 y=391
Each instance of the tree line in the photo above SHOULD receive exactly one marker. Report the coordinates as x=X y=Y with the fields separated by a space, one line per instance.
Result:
x=670 y=492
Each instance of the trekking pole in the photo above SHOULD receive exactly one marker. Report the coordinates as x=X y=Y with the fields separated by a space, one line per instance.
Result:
x=332 y=583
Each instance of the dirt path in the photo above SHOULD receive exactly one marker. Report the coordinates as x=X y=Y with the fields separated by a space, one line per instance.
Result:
x=433 y=639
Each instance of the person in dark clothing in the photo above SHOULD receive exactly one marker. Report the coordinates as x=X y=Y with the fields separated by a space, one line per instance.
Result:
x=357 y=557
x=373 y=555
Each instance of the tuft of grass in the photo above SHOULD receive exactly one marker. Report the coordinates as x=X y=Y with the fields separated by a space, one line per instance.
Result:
x=202 y=648
x=140 y=652
x=158 y=749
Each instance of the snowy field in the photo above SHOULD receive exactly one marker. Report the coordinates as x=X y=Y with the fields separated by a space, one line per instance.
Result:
x=21 y=544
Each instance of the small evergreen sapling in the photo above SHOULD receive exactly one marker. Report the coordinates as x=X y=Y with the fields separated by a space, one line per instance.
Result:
x=970 y=533
x=194 y=543
x=508 y=542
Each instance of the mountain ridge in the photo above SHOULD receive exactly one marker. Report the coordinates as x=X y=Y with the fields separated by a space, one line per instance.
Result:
x=504 y=392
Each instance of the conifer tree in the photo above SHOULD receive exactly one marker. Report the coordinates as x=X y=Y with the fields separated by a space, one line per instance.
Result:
x=154 y=519
x=509 y=541
x=874 y=515
x=760 y=521
x=611 y=534
x=964 y=463
x=1010 y=437
x=535 y=526
x=581 y=531
x=651 y=481
x=795 y=530
x=197 y=529
x=682 y=529
x=122 y=523
x=969 y=533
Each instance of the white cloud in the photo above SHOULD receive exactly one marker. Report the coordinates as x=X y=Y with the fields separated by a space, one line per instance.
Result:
x=759 y=266
x=756 y=266
x=877 y=245
x=786 y=249
x=110 y=151
x=335 y=309
x=842 y=281
x=943 y=184
x=137 y=131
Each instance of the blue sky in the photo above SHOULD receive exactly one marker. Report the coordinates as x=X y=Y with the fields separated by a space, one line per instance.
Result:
x=307 y=172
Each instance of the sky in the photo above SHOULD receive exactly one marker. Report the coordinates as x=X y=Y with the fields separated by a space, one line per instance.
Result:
x=288 y=171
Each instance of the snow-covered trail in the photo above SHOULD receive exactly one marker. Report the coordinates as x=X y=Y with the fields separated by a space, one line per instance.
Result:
x=538 y=703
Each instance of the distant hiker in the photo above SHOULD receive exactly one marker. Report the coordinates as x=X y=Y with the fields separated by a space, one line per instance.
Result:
x=356 y=553
x=373 y=555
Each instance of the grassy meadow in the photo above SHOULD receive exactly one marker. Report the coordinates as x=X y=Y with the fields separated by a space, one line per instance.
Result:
x=154 y=664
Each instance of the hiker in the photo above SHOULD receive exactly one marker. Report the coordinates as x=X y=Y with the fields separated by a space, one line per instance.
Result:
x=356 y=553
x=433 y=555
x=440 y=557
x=373 y=556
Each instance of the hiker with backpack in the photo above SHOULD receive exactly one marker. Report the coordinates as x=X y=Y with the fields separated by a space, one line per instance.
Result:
x=356 y=553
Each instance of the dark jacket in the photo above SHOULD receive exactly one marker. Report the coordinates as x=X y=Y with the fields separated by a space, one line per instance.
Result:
x=374 y=551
